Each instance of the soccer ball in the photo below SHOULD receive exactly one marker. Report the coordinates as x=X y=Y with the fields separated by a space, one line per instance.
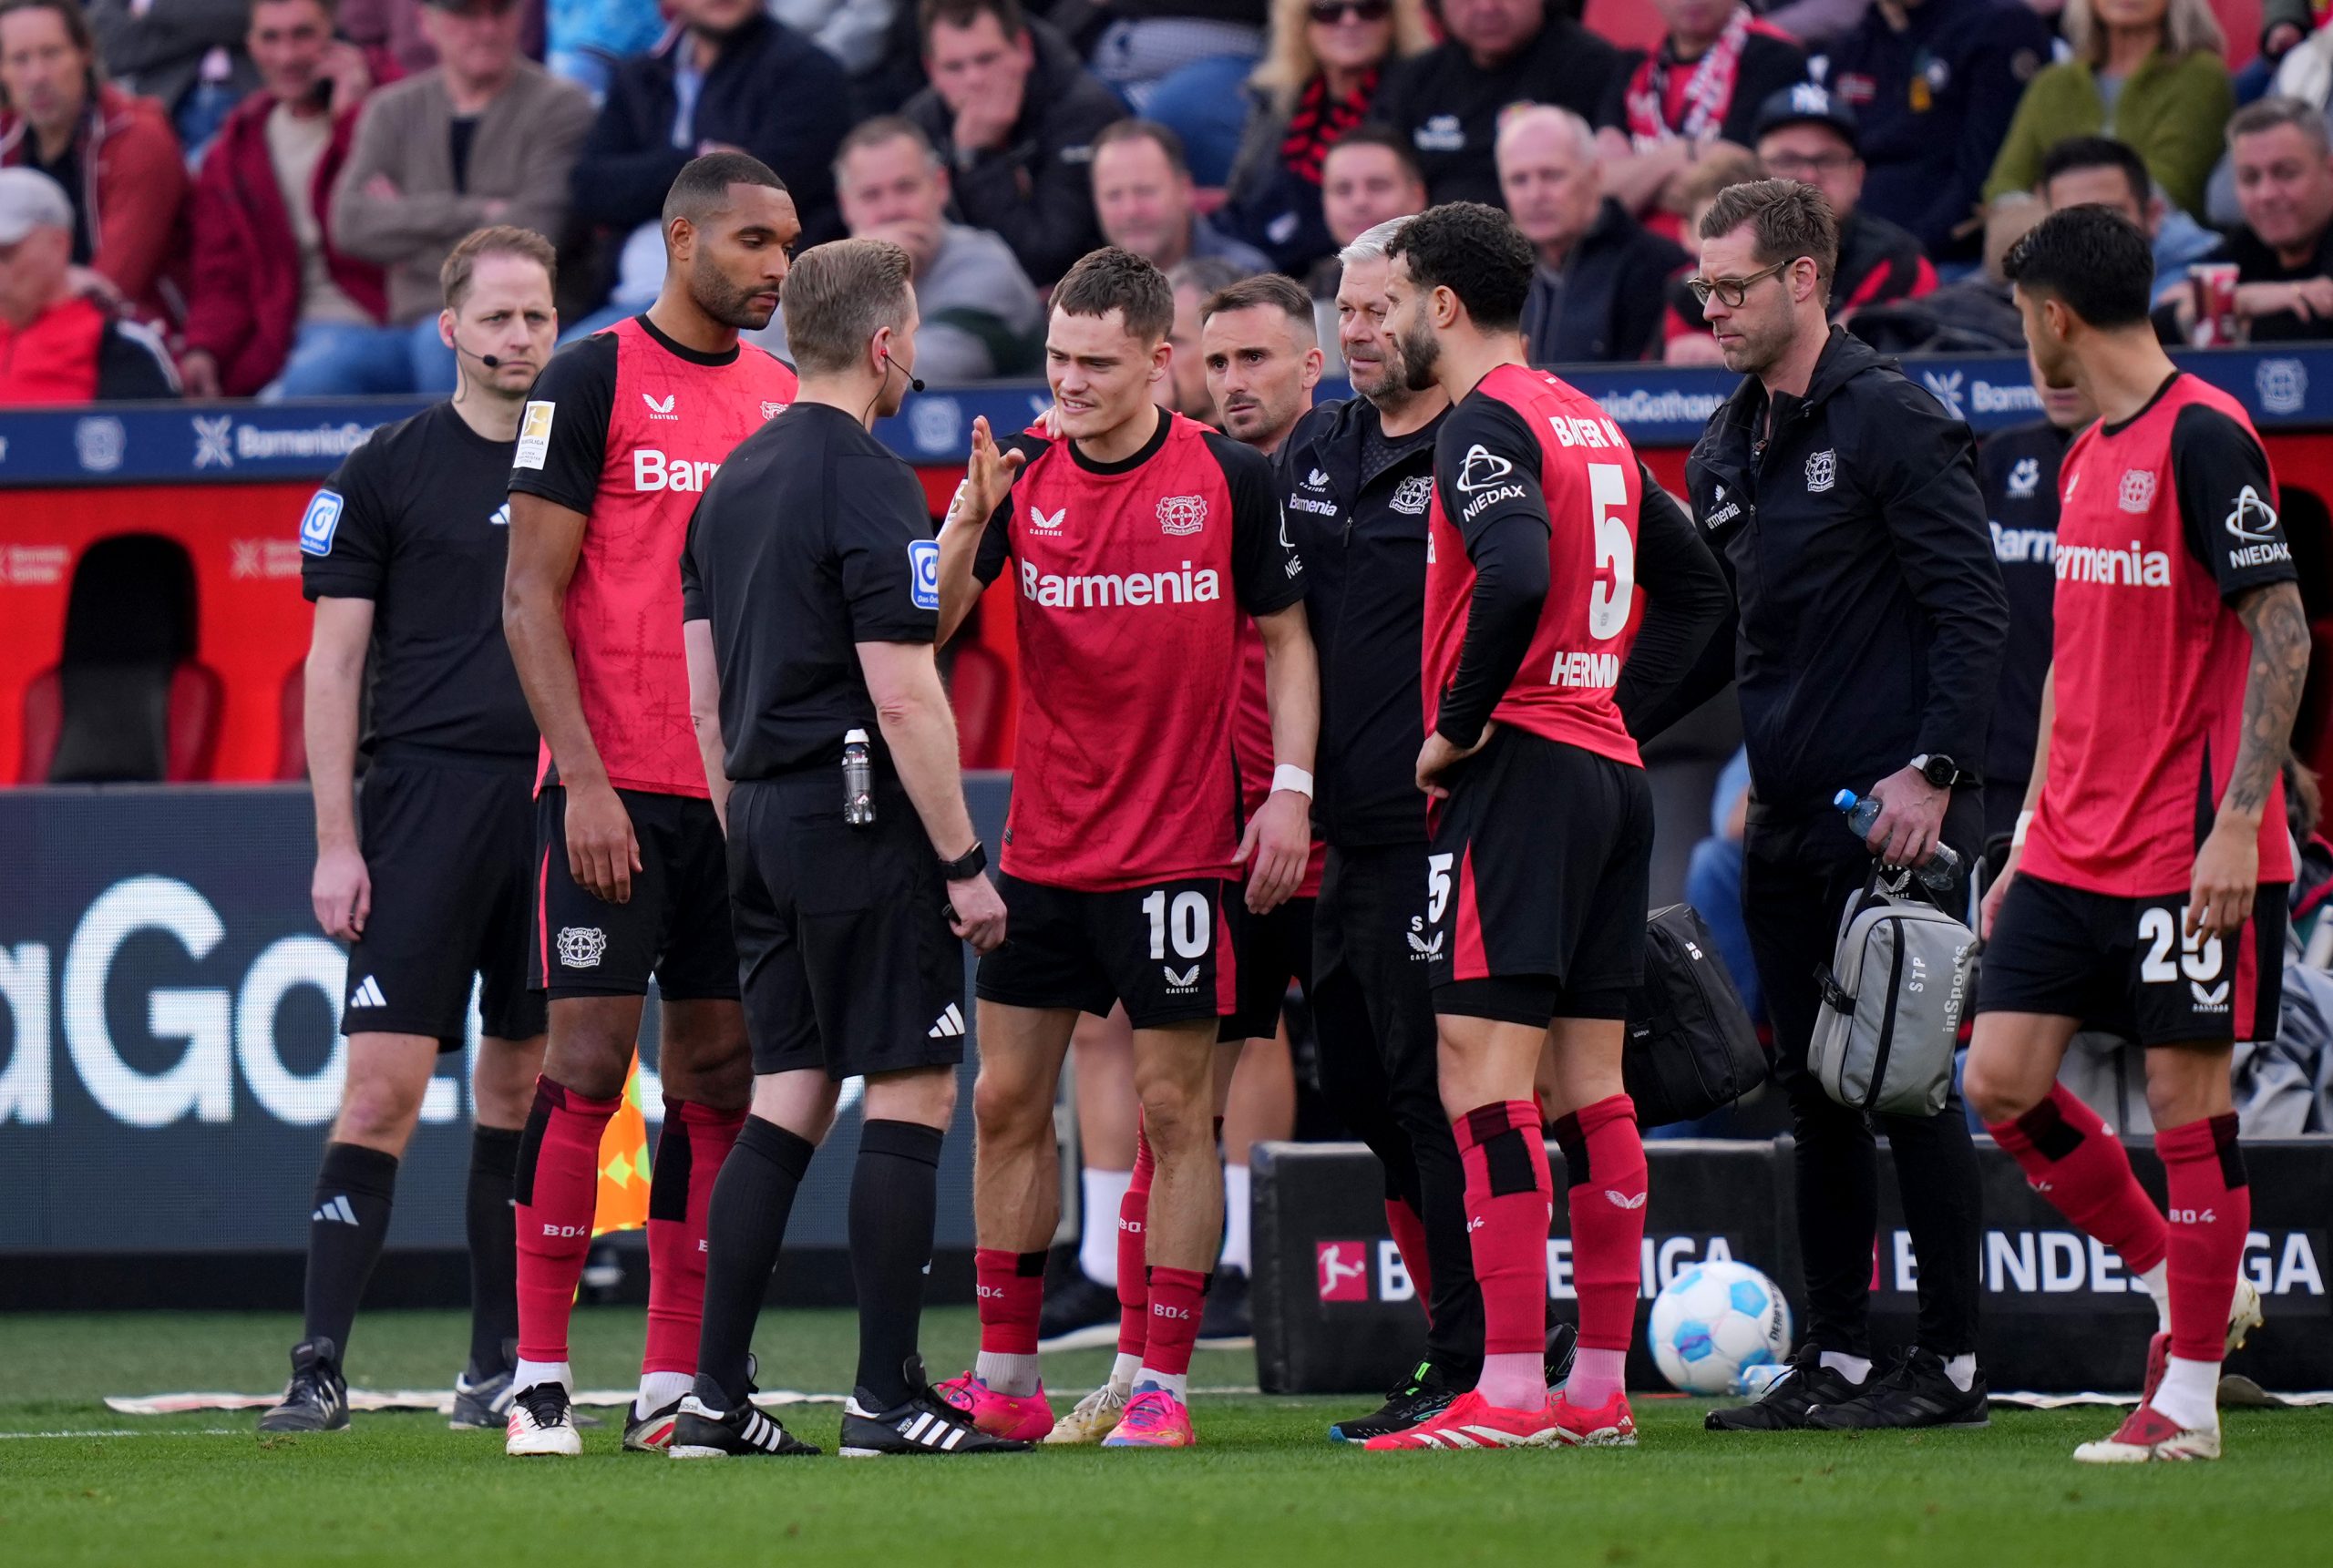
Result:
x=1715 y=1321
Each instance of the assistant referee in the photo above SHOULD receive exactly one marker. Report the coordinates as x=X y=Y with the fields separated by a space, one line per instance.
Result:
x=811 y=597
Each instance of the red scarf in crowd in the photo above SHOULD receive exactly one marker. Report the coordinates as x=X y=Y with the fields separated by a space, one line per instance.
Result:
x=1319 y=123
x=1666 y=101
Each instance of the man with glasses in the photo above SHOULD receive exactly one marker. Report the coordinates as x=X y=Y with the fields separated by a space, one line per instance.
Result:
x=1843 y=503
x=1805 y=134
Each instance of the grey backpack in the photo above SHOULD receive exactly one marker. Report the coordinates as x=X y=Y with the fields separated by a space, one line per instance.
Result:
x=1892 y=1002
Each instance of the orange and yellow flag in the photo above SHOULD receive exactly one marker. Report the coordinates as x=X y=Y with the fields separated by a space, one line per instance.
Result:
x=622 y=1202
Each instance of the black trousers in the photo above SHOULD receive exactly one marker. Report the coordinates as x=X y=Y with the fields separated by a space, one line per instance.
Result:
x=1796 y=877
x=1375 y=1017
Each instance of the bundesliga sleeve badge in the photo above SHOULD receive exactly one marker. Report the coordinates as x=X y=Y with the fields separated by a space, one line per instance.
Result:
x=534 y=435
x=923 y=572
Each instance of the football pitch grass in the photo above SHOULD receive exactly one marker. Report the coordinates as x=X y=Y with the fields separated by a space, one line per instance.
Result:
x=1264 y=1487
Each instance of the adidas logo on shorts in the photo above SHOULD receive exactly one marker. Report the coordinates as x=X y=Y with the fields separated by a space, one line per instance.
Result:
x=951 y=1025
x=367 y=994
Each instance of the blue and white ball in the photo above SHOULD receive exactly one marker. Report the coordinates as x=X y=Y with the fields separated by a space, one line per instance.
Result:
x=1716 y=1322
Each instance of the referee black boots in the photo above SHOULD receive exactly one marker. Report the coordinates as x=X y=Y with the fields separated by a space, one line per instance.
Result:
x=317 y=1399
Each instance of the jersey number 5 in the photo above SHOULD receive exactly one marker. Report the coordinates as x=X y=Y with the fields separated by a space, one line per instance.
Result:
x=1608 y=608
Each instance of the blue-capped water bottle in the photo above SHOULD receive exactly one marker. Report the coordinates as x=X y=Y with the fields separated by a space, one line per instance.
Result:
x=858 y=780
x=1864 y=811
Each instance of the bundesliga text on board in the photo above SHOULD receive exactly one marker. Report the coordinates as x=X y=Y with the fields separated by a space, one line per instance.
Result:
x=1361 y=1271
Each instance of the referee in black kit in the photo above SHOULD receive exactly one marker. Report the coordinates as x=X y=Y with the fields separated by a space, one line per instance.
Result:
x=810 y=594
x=402 y=551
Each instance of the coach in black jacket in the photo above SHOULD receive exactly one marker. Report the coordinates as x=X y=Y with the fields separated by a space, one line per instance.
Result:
x=767 y=90
x=1843 y=501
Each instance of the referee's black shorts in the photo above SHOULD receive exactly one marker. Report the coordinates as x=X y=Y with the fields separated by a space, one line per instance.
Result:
x=449 y=843
x=845 y=958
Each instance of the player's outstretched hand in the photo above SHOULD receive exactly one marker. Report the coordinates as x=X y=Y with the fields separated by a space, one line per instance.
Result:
x=1279 y=842
x=988 y=478
x=601 y=852
x=976 y=913
x=1911 y=818
x=1437 y=755
x=341 y=892
x=2228 y=876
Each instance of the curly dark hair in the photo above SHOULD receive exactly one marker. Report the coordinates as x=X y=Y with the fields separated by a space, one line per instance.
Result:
x=2093 y=258
x=1477 y=254
x=1111 y=278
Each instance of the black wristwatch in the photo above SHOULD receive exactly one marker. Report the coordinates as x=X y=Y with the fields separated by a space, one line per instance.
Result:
x=1939 y=770
x=966 y=865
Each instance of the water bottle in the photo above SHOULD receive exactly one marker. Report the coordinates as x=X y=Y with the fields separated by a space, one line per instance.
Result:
x=1937 y=875
x=858 y=780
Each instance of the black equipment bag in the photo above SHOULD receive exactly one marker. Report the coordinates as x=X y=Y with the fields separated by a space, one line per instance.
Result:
x=1691 y=1045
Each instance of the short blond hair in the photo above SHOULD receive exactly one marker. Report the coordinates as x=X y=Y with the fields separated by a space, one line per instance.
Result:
x=837 y=295
x=501 y=240
x=2188 y=25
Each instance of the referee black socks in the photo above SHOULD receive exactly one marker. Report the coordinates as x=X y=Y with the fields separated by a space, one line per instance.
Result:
x=494 y=1249
x=894 y=1201
x=355 y=1187
x=745 y=1226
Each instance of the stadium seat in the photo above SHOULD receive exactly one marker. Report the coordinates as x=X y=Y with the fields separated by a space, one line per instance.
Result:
x=127 y=702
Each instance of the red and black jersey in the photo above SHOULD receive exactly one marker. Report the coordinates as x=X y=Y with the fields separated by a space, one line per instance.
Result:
x=1529 y=459
x=627 y=427
x=1134 y=579
x=2165 y=521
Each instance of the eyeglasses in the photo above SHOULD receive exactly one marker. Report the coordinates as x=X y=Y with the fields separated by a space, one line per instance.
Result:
x=1326 y=12
x=1733 y=292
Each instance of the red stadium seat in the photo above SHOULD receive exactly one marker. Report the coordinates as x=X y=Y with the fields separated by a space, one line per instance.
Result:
x=979 y=688
x=292 y=726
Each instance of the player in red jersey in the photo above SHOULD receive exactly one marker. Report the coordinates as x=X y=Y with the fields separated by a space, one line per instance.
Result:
x=1140 y=540
x=2146 y=893
x=622 y=432
x=1541 y=844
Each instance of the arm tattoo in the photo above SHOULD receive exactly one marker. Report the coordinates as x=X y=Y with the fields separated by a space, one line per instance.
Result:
x=2272 y=687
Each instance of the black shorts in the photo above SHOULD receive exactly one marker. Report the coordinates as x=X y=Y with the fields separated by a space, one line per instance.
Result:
x=1163 y=951
x=1274 y=949
x=449 y=847
x=675 y=926
x=2124 y=966
x=845 y=958
x=1537 y=878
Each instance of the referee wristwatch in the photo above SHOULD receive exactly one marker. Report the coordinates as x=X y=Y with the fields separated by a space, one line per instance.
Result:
x=1940 y=771
x=966 y=865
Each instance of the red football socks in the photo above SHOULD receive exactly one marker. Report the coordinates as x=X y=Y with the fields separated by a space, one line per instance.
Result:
x=1012 y=1297
x=556 y=1188
x=2070 y=1158
x=1133 y=1219
x=1409 y=1240
x=1604 y=1160
x=2210 y=1211
x=1177 y=1297
x=689 y=1153
x=1507 y=1194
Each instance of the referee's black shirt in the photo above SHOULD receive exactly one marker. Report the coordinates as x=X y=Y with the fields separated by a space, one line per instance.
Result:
x=416 y=520
x=813 y=538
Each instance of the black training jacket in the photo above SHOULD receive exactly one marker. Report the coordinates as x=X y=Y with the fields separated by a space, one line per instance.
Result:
x=1870 y=612
x=1361 y=533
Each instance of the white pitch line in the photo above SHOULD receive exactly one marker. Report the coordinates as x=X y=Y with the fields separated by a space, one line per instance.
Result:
x=148 y=1432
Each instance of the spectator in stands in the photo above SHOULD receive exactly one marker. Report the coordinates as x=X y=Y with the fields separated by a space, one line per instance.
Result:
x=1597 y=293
x=1143 y=195
x=1499 y=53
x=980 y=315
x=1805 y=133
x=1180 y=63
x=856 y=33
x=2284 y=24
x=2087 y=170
x=2149 y=73
x=1714 y=879
x=272 y=294
x=1367 y=178
x=57 y=345
x=1686 y=338
x=1015 y=113
x=1194 y=281
x=2283 y=251
x=1701 y=87
x=585 y=40
x=1934 y=84
x=186 y=54
x=728 y=77
x=483 y=137
x=112 y=154
x=395 y=38
x=1315 y=86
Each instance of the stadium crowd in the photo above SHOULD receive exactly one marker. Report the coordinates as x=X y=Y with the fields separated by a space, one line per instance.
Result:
x=263 y=190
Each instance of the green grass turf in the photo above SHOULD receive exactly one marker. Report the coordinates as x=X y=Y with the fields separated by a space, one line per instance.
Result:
x=1264 y=1488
